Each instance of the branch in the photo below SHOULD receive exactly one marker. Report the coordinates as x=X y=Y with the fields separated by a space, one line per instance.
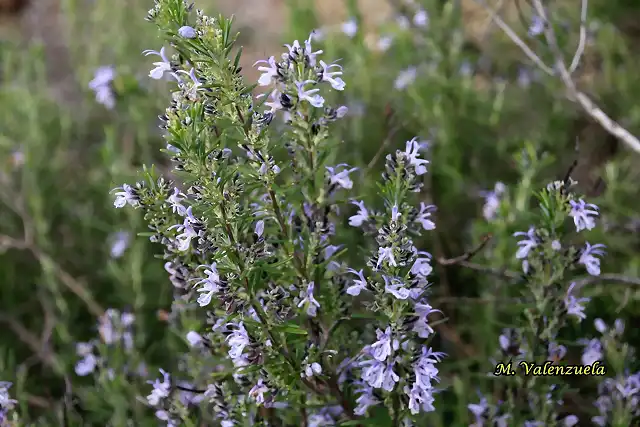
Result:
x=583 y=100
x=560 y=68
x=467 y=255
x=618 y=278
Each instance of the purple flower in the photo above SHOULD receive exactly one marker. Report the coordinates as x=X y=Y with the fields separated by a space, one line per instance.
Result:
x=5 y=400
x=350 y=28
x=412 y=151
x=582 y=214
x=592 y=352
x=365 y=399
x=269 y=72
x=102 y=86
x=186 y=231
x=405 y=78
x=492 y=201
x=329 y=76
x=358 y=285
x=258 y=391
x=396 y=287
x=161 y=66
x=422 y=265
x=424 y=215
x=421 y=19
x=589 y=258
x=361 y=216
x=237 y=340
x=341 y=178
x=421 y=326
x=119 y=243
x=309 y=301
x=187 y=32
x=478 y=409
x=556 y=351
x=537 y=26
x=384 y=43
x=161 y=389
x=210 y=285
x=574 y=305
x=127 y=195
x=386 y=254
x=310 y=369
x=175 y=200
x=525 y=245
x=311 y=95
x=385 y=346
x=194 y=339
x=89 y=361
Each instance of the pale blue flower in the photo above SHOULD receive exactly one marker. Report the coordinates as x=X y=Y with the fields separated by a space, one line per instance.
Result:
x=269 y=72
x=259 y=228
x=574 y=305
x=421 y=326
x=331 y=76
x=386 y=254
x=422 y=265
x=592 y=352
x=258 y=391
x=210 y=285
x=102 y=86
x=119 y=243
x=237 y=340
x=421 y=19
x=405 y=78
x=412 y=151
x=161 y=389
x=308 y=50
x=308 y=300
x=526 y=245
x=384 y=43
x=361 y=216
x=423 y=216
x=589 y=258
x=161 y=66
x=128 y=195
x=5 y=400
x=358 y=285
x=194 y=339
x=396 y=287
x=365 y=399
x=88 y=362
x=582 y=214
x=341 y=178
x=492 y=201
x=537 y=26
x=310 y=369
x=384 y=346
x=350 y=27
x=311 y=95
x=187 y=32
x=175 y=200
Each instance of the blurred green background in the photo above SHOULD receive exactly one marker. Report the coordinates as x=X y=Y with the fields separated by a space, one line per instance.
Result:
x=66 y=254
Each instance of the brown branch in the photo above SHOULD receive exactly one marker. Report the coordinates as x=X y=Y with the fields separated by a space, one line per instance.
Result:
x=467 y=255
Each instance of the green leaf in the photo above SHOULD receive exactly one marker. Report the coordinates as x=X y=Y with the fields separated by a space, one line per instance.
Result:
x=291 y=328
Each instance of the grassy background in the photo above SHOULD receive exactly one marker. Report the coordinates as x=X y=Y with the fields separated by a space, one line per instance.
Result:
x=61 y=153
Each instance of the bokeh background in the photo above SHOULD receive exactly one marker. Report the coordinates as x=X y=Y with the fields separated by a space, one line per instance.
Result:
x=66 y=254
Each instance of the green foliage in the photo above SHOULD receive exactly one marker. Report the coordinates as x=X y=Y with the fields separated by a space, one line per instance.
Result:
x=59 y=161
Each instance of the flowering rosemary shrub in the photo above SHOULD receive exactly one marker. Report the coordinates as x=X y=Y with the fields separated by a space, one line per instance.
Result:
x=297 y=228
x=249 y=227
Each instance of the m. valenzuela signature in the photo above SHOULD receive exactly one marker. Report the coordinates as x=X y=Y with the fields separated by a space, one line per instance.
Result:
x=548 y=369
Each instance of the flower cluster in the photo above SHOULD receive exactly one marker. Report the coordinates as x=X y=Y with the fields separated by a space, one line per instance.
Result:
x=7 y=404
x=252 y=239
